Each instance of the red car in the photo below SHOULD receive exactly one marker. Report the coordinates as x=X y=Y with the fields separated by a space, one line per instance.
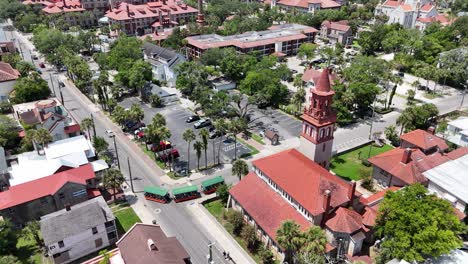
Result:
x=163 y=145
x=42 y=65
x=172 y=154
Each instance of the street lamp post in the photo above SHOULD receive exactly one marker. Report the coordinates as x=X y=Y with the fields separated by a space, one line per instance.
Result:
x=130 y=174
x=52 y=83
x=94 y=126
x=372 y=117
x=116 y=153
x=464 y=93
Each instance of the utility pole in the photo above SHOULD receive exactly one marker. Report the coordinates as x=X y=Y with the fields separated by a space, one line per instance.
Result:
x=210 y=254
x=52 y=83
x=116 y=153
x=94 y=126
x=372 y=117
x=463 y=96
x=130 y=174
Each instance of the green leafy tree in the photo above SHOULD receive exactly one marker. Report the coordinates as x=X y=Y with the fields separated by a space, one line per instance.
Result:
x=250 y=237
x=313 y=249
x=212 y=57
x=240 y=168
x=8 y=237
x=113 y=178
x=188 y=136
x=298 y=99
x=33 y=230
x=410 y=99
x=8 y=131
x=120 y=114
x=198 y=146
x=392 y=135
x=237 y=220
x=266 y=256
x=222 y=192
x=307 y=50
x=156 y=100
x=136 y=113
x=9 y=259
x=416 y=225
x=416 y=117
x=30 y=88
x=25 y=67
x=139 y=74
x=290 y=238
x=124 y=52
x=105 y=256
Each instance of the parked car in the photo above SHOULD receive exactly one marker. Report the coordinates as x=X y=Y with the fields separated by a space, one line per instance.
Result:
x=163 y=145
x=139 y=130
x=304 y=63
x=173 y=154
x=423 y=87
x=293 y=71
x=136 y=126
x=202 y=123
x=38 y=71
x=109 y=133
x=400 y=74
x=61 y=84
x=34 y=57
x=214 y=133
x=128 y=124
x=192 y=118
x=42 y=65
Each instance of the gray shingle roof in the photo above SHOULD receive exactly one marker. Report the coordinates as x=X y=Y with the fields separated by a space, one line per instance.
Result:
x=154 y=51
x=62 y=224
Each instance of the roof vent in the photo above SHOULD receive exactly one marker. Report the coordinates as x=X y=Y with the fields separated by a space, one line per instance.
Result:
x=151 y=244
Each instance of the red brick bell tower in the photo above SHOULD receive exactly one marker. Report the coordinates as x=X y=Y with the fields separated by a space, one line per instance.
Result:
x=318 y=123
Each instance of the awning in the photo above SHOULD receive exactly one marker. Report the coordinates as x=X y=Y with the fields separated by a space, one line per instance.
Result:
x=72 y=129
x=213 y=181
x=185 y=189
x=155 y=190
x=279 y=54
x=99 y=165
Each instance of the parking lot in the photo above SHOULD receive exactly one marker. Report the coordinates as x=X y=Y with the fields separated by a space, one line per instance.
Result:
x=287 y=126
x=176 y=116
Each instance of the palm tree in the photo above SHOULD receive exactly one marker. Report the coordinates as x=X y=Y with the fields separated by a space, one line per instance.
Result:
x=204 y=135
x=188 y=136
x=159 y=120
x=313 y=249
x=240 y=168
x=100 y=144
x=164 y=134
x=299 y=98
x=136 y=113
x=289 y=237
x=152 y=134
x=113 y=178
x=42 y=136
x=86 y=125
x=221 y=126
x=32 y=230
x=198 y=146
x=405 y=118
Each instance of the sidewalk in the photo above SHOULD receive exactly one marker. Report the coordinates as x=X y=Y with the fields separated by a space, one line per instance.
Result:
x=223 y=240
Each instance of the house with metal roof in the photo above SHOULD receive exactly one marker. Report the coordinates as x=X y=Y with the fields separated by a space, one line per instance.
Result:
x=78 y=230
x=457 y=131
x=163 y=62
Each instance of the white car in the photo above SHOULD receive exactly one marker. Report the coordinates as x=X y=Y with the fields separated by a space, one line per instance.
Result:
x=139 y=129
x=110 y=133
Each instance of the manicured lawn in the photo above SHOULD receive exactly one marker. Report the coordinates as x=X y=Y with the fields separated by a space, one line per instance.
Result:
x=125 y=218
x=28 y=251
x=252 y=149
x=215 y=208
x=257 y=138
x=349 y=165
x=150 y=154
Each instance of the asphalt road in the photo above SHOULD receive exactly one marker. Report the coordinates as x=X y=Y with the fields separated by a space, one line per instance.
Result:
x=174 y=218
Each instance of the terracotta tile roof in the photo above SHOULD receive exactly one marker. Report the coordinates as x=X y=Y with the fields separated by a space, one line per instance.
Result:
x=391 y=3
x=363 y=259
x=134 y=246
x=304 y=180
x=305 y=3
x=439 y=18
x=410 y=172
x=378 y=196
x=329 y=247
x=370 y=215
x=126 y=11
x=427 y=7
x=7 y=73
x=406 y=7
x=339 y=25
x=344 y=220
x=267 y=208
x=32 y=190
x=314 y=75
x=457 y=153
x=424 y=140
x=64 y=6
x=323 y=87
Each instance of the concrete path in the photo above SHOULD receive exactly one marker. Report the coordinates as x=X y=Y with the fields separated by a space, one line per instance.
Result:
x=222 y=238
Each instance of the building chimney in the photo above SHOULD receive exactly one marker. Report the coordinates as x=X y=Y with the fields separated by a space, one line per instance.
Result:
x=128 y=10
x=67 y=207
x=164 y=2
x=431 y=130
x=406 y=156
x=351 y=190
x=326 y=205
x=151 y=245
x=64 y=3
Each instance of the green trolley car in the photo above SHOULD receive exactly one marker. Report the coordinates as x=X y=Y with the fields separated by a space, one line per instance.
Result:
x=185 y=193
x=210 y=185
x=156 y=194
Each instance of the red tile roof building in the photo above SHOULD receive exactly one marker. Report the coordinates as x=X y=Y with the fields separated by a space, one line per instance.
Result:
x=306 y=6
x=295 y=184
x=27 y=201
x=150 y=17
x=284 y=38
x=420 y=151
x=8 y=77
x=337 y=32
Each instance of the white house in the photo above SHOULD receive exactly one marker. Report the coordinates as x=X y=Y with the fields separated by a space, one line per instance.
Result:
x=79 y=230
x=407 y=12
x=457 y=131
x=8 y=77
x=450 y=179
x=222 y=84
x=49 y=114
x=163 y=62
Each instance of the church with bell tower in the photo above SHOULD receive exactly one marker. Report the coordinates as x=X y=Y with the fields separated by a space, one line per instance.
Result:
x=318 y=122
